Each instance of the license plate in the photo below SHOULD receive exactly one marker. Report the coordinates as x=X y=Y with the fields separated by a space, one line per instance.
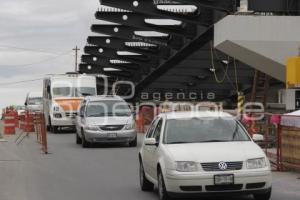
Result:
x=111 y=135
x=224 y=179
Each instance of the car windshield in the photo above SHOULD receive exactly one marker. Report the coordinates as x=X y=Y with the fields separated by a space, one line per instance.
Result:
x=73 y=92
x=198 y=130
x=107 y=108
x=35 y=101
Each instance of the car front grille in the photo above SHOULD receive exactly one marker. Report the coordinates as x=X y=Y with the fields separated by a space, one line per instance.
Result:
x=111 y=127
x=71 y=114
x=214 y=166
x=215 y=188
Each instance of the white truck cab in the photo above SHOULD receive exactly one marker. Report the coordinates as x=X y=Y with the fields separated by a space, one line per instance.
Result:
x=62 y=95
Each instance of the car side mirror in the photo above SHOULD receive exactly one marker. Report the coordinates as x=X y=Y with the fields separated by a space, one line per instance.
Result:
x=258 y=138
x=150 y=142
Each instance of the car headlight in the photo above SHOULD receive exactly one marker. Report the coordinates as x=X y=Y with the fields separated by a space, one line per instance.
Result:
x=186 y=166
x=57 y=115
x=55 y=108
x=92 y=128
x=256 y=163
x=130 y=126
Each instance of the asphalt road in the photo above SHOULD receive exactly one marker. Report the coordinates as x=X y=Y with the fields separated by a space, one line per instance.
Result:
x=70 y=172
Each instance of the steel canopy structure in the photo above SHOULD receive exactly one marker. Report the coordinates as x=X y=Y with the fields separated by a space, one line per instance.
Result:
x=164 y=47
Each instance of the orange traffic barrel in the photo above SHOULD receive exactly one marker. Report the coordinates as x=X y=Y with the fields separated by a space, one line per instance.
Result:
x=9 y=123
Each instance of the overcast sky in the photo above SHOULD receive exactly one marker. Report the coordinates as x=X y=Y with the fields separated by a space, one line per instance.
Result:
x=51 y=29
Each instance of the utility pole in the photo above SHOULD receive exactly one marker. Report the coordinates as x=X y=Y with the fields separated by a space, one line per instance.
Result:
x=76 y=49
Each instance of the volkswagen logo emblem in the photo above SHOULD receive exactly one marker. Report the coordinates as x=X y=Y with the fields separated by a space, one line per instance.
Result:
x=222 y=165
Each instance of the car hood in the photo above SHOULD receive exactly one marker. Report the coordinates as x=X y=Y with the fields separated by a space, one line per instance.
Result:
x=215 y=151
x=108 y=120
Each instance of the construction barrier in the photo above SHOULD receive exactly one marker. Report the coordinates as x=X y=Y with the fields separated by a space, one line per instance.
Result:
x=29 y=122
x=281 y=142
x=22 y=121
x=41 y=131
x=9 y=122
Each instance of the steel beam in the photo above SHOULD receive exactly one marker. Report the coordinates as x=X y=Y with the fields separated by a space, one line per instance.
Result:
x=127 y=32
x=143 y=64
x=162 y=54
x=138 y=20
x=116 y=43
x=202 y=16
x=227 y=6
x=190 y=48
x=108 y=52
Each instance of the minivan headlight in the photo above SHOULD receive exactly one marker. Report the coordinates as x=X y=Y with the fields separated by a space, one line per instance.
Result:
x=130 y=126
x=256 y=163
x=186 y=166
x=91 y=128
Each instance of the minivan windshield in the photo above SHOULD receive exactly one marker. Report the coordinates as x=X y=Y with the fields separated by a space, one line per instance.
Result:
x=107 y=108
x=199 y=130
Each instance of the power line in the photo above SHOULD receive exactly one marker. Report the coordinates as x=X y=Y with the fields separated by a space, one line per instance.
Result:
x=27 y=49
x=39 y=62
x=18 y=82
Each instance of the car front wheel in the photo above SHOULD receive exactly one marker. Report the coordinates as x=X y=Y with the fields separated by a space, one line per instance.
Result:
x=162 y=192
x=78 y=139
x=265 y=196
x=84 y=143
x=133 y=143
x=144 y=183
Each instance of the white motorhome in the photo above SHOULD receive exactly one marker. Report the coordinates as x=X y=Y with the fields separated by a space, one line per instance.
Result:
x=34 y=102
x=62 y=95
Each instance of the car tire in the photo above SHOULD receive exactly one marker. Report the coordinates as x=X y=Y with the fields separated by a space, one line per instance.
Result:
x=55 y=129
x=133 y=143
x=84 y=143
x=265 y=196
x=162 y=192
x=78 y=139
x=144 y=183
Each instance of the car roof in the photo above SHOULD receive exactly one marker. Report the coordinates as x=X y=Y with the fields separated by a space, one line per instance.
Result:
x=104 y=97
x=194 y=114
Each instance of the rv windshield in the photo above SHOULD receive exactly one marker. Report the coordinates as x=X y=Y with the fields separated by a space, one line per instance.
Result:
x=73 y=92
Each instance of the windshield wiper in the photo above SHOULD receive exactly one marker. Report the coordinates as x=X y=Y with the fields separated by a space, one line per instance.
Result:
x=122 y=114
x=216 y=141
x=178 y=142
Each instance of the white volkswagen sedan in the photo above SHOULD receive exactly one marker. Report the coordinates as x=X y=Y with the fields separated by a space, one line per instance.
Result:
x=203 y=153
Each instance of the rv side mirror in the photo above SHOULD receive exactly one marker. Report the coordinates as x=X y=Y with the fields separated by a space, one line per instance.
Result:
x=25 y=104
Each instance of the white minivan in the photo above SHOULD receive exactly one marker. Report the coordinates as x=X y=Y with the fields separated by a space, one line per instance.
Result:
x=203 y=153
x=105 y=119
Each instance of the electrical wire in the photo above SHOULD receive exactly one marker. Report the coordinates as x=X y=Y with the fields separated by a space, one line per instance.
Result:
x=19 y=82
x=39 y=62
x=27 y=49
x=236 y=77
x=214 y=69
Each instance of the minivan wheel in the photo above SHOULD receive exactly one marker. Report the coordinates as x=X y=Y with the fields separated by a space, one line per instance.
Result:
x=265 y=196
x=144 y=183
x=78 y=139
x=84 y=143
x=162 y=192
x=133 y=143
